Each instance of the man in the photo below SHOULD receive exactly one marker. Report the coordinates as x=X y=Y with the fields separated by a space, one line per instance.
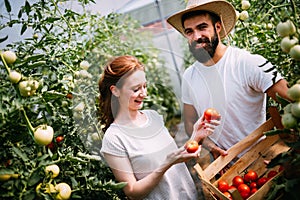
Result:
x=227 y=78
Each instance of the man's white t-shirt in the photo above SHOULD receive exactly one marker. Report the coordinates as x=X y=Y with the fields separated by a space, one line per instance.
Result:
x=236 y=87
x=146 y=147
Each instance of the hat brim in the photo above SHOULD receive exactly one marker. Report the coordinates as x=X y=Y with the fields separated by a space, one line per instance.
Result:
x=223 y=9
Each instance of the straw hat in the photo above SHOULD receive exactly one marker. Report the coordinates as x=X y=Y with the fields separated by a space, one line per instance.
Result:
x=220 y=7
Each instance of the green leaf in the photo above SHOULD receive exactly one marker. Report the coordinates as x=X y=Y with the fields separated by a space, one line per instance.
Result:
x=23 y=29
x=6 y=171
x=7 y=5
x=277 y=131
x=52 y=19
x=34 y=178
x=3 y=39
x=22 y=155
x=27 y=7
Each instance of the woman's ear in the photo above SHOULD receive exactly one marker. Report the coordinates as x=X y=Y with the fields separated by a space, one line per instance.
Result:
x=115 y=91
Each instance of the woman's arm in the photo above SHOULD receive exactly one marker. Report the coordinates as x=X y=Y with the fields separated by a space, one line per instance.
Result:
x=139 y=189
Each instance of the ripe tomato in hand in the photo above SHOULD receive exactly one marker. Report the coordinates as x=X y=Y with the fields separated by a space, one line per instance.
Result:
x=272 y=173
x=261 y=181
x=251 y=175
x=211 y=114
x=191 y=146
x=237 y=180
x=223 y=186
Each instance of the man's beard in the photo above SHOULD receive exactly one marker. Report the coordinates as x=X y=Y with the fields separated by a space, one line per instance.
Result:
x=205 y=53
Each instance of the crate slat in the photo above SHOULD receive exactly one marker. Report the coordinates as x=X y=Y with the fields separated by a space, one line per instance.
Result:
x=217 y=165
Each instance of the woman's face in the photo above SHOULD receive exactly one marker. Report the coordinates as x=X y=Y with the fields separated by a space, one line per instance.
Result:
x=133 y=91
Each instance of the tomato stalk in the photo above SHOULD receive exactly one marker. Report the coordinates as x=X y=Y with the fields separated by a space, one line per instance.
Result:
x=29 y=125
x=5 y=64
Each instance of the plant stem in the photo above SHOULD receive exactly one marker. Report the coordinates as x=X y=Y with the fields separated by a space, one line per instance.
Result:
x=29 y=125
x=5 y=64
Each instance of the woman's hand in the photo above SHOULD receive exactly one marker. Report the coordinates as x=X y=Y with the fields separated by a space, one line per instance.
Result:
x=203 y=128
x=181 y=155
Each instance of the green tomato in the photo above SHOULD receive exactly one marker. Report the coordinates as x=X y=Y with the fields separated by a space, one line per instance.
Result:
x=14 y=76
x=286 y=43
x=295 y=52
x=288 y=120
x=53 y=169
x=283 y=29
x=295 y=109
x=43 y=134
x=294 y=92
x=64 y=191
x=245 y=4
x=9 y=57
x=23 y=88
x=244 y=15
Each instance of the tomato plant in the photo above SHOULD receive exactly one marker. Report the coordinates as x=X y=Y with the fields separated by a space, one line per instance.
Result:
x=191 y=146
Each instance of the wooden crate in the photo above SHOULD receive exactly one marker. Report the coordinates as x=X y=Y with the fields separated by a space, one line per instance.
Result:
x=256 y=153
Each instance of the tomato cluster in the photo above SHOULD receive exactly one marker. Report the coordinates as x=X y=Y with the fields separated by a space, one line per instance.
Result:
x=246 y=184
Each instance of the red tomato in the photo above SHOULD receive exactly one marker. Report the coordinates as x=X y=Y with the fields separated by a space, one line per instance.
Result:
x=231 y=187
x=69 y=96
x=223 y=186
x=211 y=114
x=253 y=185
x=261 y=181
x=272 y=173
x=227 y=194
x=59 y=139
x=280 y=168
x=51 y=146
x=237 y=180
x=253 y=190
x=251 y=175
x=191 y=146
x=244 y=190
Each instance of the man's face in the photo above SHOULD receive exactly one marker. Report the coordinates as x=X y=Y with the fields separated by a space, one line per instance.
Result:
x=202 y=37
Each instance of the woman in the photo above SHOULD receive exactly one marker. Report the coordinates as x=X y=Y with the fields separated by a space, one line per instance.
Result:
x=136 y=145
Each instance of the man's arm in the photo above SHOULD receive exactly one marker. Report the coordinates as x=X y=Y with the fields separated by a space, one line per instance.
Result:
x=190 y=117
x=280 y=88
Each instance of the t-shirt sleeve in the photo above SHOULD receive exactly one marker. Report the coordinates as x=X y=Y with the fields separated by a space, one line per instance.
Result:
x=112 y=144
x=261 y=73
